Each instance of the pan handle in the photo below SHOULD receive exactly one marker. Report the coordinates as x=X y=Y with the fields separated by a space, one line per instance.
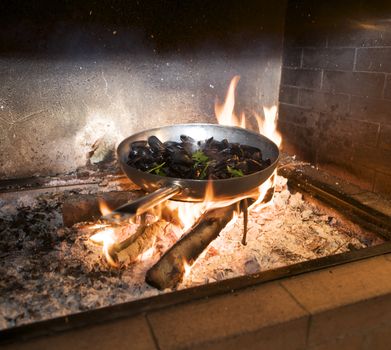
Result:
x=141 y=205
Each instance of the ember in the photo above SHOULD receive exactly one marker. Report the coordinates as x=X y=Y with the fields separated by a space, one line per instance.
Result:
x=48 y=270
x=168 y=245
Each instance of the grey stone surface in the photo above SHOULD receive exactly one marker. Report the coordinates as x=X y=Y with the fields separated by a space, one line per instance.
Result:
x=301 y=78
x=346 y=44
x=330 y=58
x=53 y=112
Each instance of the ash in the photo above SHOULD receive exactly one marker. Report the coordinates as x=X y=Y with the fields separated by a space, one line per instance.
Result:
x=48 y=270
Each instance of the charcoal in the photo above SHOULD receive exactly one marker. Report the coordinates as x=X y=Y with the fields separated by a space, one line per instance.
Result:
x=191 y=159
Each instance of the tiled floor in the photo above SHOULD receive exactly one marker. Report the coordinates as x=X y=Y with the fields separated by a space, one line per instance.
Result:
x=344 y=307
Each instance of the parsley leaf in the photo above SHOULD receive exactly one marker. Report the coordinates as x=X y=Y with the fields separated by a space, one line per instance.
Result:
x=203 y=172
x=199 y=157
x=158 y=170
x=235 y=172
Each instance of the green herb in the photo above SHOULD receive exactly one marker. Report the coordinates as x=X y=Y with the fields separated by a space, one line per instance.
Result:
x=235 y=172
x=199 y=157
x=158 y=170
x=203 y=172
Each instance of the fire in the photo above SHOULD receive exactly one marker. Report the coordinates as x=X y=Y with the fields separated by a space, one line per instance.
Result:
x=225 y=112
x=107 y=238
x=225 y=115
x=187 y=268
x=188 y=213
x=268 y=125
x=103 y=207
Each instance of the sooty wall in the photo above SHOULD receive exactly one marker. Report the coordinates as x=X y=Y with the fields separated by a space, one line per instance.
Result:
x=335 y=97
x=77 y=73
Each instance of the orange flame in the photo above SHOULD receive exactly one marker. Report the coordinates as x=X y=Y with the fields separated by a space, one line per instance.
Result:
x=225 y=111
x=103 y=207
x=209 y=195
x=187 y=268
x=268 y=125
x=107 y=238
x=190 y=212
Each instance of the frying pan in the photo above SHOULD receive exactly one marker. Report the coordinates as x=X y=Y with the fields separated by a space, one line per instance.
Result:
x=162 y=188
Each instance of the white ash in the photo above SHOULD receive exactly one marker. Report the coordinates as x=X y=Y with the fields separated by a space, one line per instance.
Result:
x=49 y=271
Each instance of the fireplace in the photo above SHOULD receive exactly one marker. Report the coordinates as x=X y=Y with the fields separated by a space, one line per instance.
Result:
x=301 y=260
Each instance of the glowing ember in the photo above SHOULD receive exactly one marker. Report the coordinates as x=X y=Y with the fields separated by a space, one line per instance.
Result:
x=147 y=254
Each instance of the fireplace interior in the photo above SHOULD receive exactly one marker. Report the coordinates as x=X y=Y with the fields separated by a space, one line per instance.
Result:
x=300 y=261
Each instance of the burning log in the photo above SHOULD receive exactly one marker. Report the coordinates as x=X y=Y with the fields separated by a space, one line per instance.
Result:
x=169 y=270
x=128 y=250
x=80 y=208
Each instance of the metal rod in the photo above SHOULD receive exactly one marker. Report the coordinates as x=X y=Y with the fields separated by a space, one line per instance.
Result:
x=141 y=205
x=245 y=220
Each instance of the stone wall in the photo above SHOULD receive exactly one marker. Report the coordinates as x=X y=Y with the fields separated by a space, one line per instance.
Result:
x=77 y=74
x=335 y=97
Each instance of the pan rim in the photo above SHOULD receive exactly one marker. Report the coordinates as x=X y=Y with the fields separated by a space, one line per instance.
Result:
x=172 y=179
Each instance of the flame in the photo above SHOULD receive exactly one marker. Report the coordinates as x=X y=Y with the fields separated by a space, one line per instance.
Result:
x=107 y=238
x=225 y=111
x=103 y=207
x=268 y=125
x=187 y=268
x=187 y=212
x=95 y=226
x=242 y=121
x=209 y=195
x=106 y=235
x=262 y=189
x=190 y=212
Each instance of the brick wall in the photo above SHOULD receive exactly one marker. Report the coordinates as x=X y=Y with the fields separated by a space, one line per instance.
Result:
x=335 y=96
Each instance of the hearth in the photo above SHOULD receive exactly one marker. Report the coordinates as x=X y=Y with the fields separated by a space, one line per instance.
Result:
x=122 y=199
x=55 y=271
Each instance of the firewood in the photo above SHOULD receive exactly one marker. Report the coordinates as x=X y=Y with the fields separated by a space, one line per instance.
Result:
x=128 y=250
x=169 y=270
x=85 y=207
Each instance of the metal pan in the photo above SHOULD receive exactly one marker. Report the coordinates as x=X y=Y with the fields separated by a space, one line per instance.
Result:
x=163 y=188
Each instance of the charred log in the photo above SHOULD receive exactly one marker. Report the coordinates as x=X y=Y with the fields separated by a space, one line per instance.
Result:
x=129 y=249
x=169 y=270
x=81 y=208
